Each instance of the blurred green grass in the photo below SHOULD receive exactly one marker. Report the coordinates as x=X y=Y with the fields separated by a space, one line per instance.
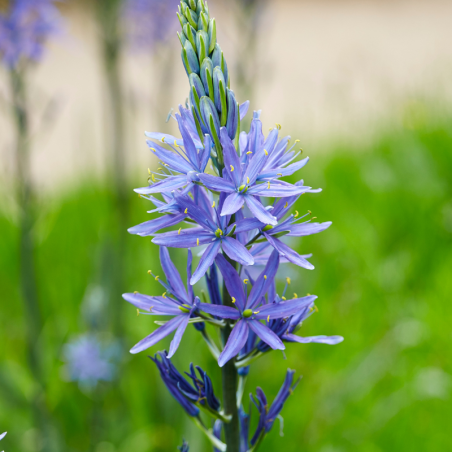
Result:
x=383 y=280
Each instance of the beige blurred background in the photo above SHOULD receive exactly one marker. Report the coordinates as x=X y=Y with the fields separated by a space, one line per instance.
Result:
x=327 y=70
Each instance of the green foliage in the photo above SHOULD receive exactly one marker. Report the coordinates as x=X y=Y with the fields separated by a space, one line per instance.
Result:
x=383 y=280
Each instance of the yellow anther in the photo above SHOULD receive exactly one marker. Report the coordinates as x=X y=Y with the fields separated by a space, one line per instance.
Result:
x=257 y=312
x=247 y=180
x=265 y=152
x=295 y=295
x=284 y=298
x=138 y=312
x=265 y=276
x=286 y=204
x=197 y=242
x=288 y=280
x=150 y=272
x=297 y=141
x=152 y=149
x=278 y=126
x=178 y=232
x=246 y=281
x=175 y=143
x=279 y=174
x=232 y=168
x=268 y=186
x=163 y=139
x=313 y=218
x=157 y=277
x=271 y=128
x=309 y=212
x=316 y=308
x=163 y=295
x=308 y=294
x=233 y=299
x=153 y=178
x=135 y=292
x=186 y=210
x=213 y=204
x=296 y=214
x=268 y=318
x=159 y=168
x=149 y=171
x=249 y=152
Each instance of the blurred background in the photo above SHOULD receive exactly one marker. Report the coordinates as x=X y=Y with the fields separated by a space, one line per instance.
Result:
x=365 y=86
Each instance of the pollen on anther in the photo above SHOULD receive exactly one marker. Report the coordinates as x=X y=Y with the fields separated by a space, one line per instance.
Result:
x=265 y=152
x=135 y=292
x=233 y=299
x=288 y=280
x=297 y=141
x=150 y=272
x=286 y=204
x=164 y=295
x=232 y=168
x=153 y=178
x=284 y=298
x=152 y=149
x=247 y=180
x=268 y=186
x=265 y=276
x=295 y=295
x=245 y=281
x=175 y=143
x=213 y=204
x=149 y=171
x=157 y=277
x=163 y=139
x=249 y=152
x=186 y=210
x=256 y=312
x=197 y=242
x=178 y=232
x=268 y=318
x=138 y=312
x=296 y=214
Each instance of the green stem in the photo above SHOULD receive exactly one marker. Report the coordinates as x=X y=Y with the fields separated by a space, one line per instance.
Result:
x=230 y=377
x=28 y=278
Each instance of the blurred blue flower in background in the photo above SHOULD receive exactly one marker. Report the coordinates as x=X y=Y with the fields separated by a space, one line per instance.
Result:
x=25 y=28
x=184 y=447
x=88 y=361
x=148 y=22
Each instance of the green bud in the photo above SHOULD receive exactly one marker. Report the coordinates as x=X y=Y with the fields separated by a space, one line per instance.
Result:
x=246 y=313
x=212 y=35
x=182 y=19
x=193 y=4
x=192 y=18
x=206 y=76
x=202 y=44
x=190 y=33
x=182 y=38
x=267 y=227
x=216 y=140
x=203 y=22
x=224 y=109
x=198 y=125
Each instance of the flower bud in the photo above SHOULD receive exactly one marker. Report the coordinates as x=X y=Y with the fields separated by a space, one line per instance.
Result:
x=192 y=17
x=190 y=59
x=190 y=33
x=203 y=22
x=219 y=60
x=212 y=35
x=206 y=77
x=233 y=114
x=202 y=45
x=218 y=78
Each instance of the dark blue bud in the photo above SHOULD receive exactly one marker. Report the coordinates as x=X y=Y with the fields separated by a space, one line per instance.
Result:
x=243 y=371
x=191 y=58
x=233 y=115
x=219 y=60
x=202 y=45
x=208 y=111
x=217 y=79
x=206 y=76
x=212 y=400
x=217 y=429
x=200 y=326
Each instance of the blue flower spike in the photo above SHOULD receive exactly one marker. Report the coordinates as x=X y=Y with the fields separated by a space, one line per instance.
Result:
x=222 y=191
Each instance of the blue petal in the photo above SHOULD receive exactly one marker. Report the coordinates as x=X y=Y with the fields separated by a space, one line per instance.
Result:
x=224 y=312
x=196 y=213
x=158 y=334
x=236 y=251
x=169 y=184
x=232 y=204
x=151 y=226
x=284 y=308
x=206 y=261
x=244 y=109
x=216 y=183
x=266 y=334
x=172 y=276
x=189 y=146
x=330 y=340
x=232 y=281
x=303 y=229
x=187 y=238
x=235 y=343
x=178 y=336
x=277 y=190
x=173 y=160
x=289 y=253
x=231 y=159
x=259 y=211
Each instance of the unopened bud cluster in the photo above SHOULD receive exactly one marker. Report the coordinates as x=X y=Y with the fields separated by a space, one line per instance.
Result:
x=212 y=102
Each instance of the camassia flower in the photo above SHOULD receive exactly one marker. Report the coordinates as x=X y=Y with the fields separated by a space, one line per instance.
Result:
x=290 y=227
x=176 y=301
x=184 y=162
x=213 y=230
x=249 y=310
x=241 y=183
